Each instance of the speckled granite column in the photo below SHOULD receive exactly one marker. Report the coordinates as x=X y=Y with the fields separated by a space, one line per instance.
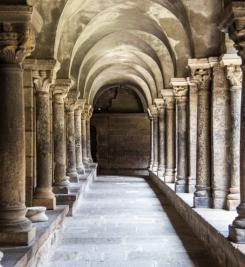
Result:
x=88 y=139
x=192 y=137
x=61 y=181
x=78 y=137
x=201 y=73
x=154 y=114
x=42 y=75
x=234 y=75
x=220 y=135
x=70 y=104
x=180 y=89
x=170 y=136
x=161 y=135
x=15 y=228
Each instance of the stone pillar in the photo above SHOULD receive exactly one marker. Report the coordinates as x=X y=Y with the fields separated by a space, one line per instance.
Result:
x=78 y=137
x=88 y=139
x=192 y=137
x=168 y=97
x=43 y=73
x=234 y=24
x=84 y=136
x=29 y=130
x=16 y=35
x=70 y=105
x=61 y=181
x=161 y=135
x=152 y=141
x=220 y=135
x=234 y=75
x=201 y=74
x=154 y=114
x=180 y=89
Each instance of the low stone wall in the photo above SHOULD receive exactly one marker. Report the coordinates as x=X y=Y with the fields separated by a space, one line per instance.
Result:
x=225 y=252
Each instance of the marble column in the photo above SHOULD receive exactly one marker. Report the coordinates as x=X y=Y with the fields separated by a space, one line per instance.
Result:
x=233 y=23
x=161 y=135
x=152 y=141
x=154 y=113
x=192 y=137
x=16 y=34
x=180 y=89
x=70 y=105
x=170 y=170
x=234 y=75
x=201 y=74
x=61 y=181
x=88 y=118
x=220 y=135
x=78 y=136
x=43 y=73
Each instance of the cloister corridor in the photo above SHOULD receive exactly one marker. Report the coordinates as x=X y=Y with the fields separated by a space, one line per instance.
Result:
x=123 y=221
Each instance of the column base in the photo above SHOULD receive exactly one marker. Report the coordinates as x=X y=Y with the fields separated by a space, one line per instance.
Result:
x=169 y=176
x=191 y=185
x=81 y=170
x=73 y=176
x=17 y=238
x=236 y=235
x=219 y=199
x=231 y=204
x=49 y=203
x=202 y=202
x=160 y=173
x=59 y=189
x=180 y=188
x=155 y=168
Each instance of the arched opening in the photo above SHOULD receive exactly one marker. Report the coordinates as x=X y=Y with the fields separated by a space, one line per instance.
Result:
x=122 y=142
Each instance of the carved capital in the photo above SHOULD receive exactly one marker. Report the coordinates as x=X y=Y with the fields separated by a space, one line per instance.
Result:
x=160 y=104
x=18 y=25
x=80 y=106
x=154 y=111
x=193 y=86
x=234 y=24
x=61 y=89
x=180 y=89
x=200 y=73
x=233 y=70
x=88 y=111
x=168 y=96
x=71 y=100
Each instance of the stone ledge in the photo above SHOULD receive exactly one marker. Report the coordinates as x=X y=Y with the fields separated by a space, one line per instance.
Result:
x=23 y=256
x=209 y=225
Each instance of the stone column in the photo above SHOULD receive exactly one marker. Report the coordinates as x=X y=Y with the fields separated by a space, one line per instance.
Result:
x=192 y=137
x=220 y=135
x=161 y=134
x=180 y=89
x=70 y=105
x=234 y=75
x=201 y=74
x=154 y=113
x=78 y=137
x=84 y=136
x=152 y=141
x=43 y=73
x=16 y=35
x=88 y=118
x=234 y=24
x=168 y=97
x=61 y=181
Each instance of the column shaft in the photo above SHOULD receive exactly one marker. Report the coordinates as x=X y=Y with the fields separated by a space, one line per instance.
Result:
x=192 y=137
x=84 y=138
x=89 y=155
x=220 y=136
x=155 y=143
x=152 y=143
x=61 y=181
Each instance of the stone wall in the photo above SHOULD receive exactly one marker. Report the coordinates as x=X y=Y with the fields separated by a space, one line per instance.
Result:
x=121 y=143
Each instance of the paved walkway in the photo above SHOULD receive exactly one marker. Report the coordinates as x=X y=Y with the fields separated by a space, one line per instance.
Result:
x=121 y=222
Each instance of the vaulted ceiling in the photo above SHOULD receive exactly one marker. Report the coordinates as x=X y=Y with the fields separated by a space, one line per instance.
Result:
x=138 y=43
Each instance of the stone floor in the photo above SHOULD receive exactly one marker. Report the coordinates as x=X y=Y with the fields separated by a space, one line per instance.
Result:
x=121 y=222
